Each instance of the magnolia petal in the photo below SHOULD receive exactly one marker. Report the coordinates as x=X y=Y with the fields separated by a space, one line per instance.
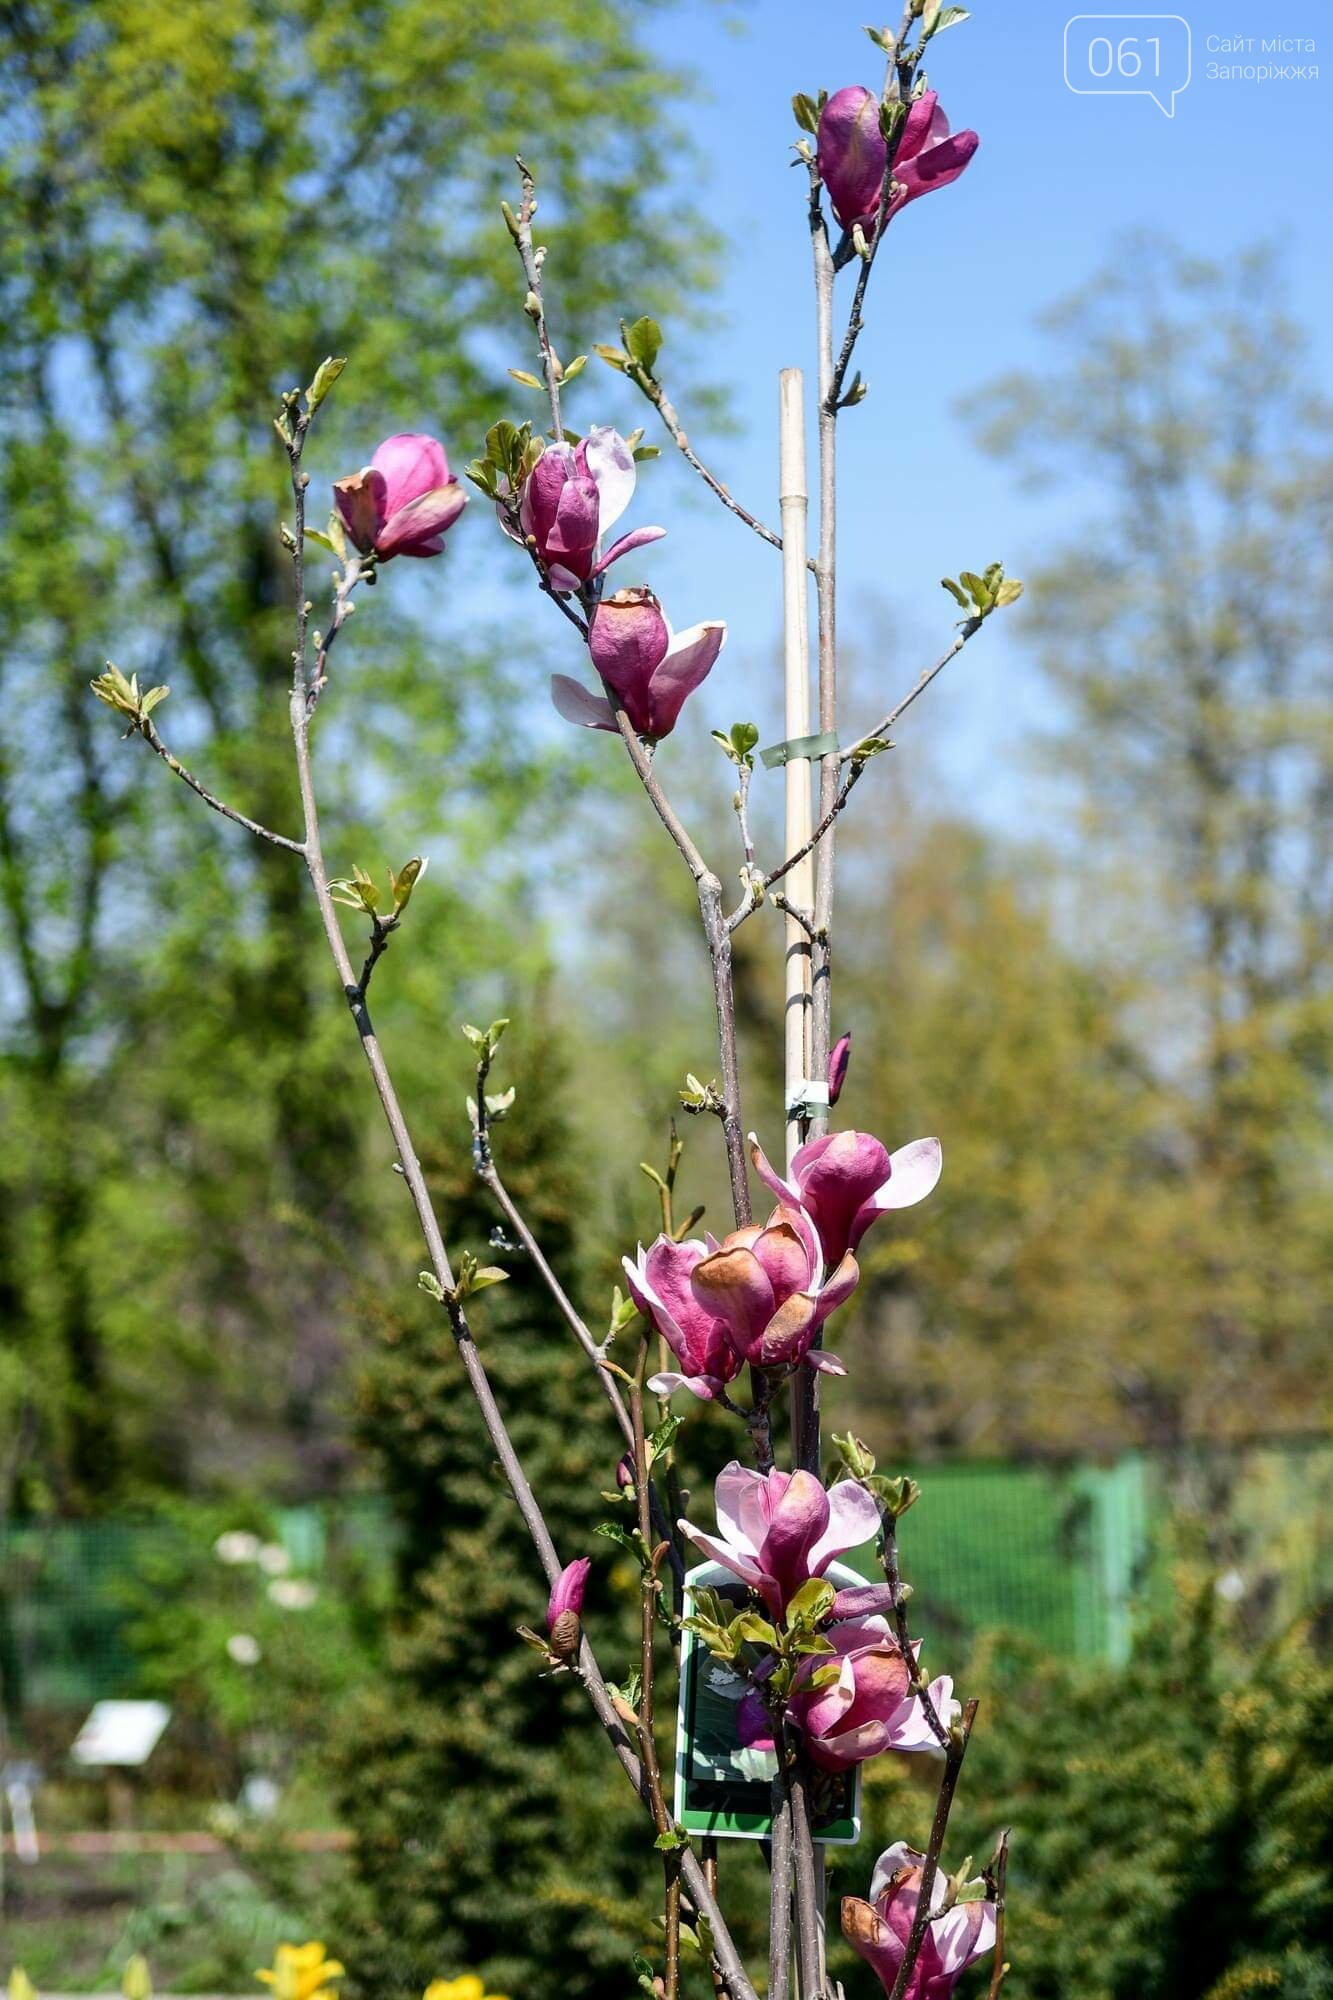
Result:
x=852 y=153
x=577 y=704
x=909 y=1728
x=796 y=1525
x=411 y=464
x=360 y=501
x=914 y=1172
x=896 y=1860
x=730 y=1558
x=850 y=1746
x=735 y=1288
x=937 y=165
x=862 y=1600
x=837 y=1289
x=786 y=1191
x=649 y=1300
x=853 y=1518
x=827 y=1364
x=918 y=128
x=705 y=1387
x=416 y=528
x=867 y=1933
x=754 y=1724
x=688 y=660
x=542 y=489
x=573 y=530
x=962 y=1935
x=739 y=1497
x=638 y=538
x=611 y=463
x=789 y=1332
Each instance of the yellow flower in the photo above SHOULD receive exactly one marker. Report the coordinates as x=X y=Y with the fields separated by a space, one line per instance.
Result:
x=468 y=1987
x=137 y=1982
x=301 y=1972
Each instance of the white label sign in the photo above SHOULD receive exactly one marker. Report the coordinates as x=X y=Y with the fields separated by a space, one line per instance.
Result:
x=121 y=1732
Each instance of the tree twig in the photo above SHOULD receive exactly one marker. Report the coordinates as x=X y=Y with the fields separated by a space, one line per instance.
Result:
x=661 y=402
x=919 y=686
x=953 y=1764
x=649 y=1591
x=145 y=728
x=903 y=1630
x=589 y=1674
x=779 y=1898
x=489 y=1176
x=996 y=1873
x=520 y=228
x=717 y=936
x=856 y=759
x=809 y=1913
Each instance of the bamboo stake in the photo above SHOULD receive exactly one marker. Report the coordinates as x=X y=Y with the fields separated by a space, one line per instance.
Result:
x=798 y=1014
x=794 y=500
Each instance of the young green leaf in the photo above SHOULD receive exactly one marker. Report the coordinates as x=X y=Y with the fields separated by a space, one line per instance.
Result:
x=644 y=342
x=326 y=375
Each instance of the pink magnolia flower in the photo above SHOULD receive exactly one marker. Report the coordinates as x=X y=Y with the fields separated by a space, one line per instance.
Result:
x=775 y=1530
x=852 y=154
x=839 y=1062
x=765 y=1284
x=649 y=669
x=571 y=497
x=879 y=1930
x=867 y=1709
x=659 y=1284
x=844 y=1180
x=403 y=501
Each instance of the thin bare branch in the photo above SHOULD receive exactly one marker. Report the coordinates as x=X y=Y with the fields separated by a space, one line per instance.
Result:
x=588 y=1672
x=953 y=1764
x=902 y=1629
x=532 y=258
x=885 y=724
x=996 y=1874
x=144 y=727
x=675 y=430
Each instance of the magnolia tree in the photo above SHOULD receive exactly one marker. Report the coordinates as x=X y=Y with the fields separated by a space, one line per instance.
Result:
x=824 y=1671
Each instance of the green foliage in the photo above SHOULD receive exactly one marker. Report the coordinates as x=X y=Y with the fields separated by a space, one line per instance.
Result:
x=1171 y=1821
x=315 y=1631
x=204 y=201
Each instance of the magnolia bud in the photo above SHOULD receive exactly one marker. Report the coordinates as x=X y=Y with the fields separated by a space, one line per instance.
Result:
x=838 y=1063
x=565 y=1609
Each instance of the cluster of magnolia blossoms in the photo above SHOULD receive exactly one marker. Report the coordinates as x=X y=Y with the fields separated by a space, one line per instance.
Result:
x=852 y=154
x=845 y=1687
x=405 y=500
x=566 y=504
x=762 y=1295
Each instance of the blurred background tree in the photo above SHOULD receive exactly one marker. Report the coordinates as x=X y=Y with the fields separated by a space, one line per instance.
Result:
x=205 y=200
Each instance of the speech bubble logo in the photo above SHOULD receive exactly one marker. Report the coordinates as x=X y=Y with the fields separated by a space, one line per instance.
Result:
x=1106 y=58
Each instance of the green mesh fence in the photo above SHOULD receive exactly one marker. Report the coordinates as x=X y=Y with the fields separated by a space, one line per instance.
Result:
x=1062 y=1555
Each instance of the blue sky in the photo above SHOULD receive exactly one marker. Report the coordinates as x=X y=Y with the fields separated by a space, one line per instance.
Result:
x=954 y=300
